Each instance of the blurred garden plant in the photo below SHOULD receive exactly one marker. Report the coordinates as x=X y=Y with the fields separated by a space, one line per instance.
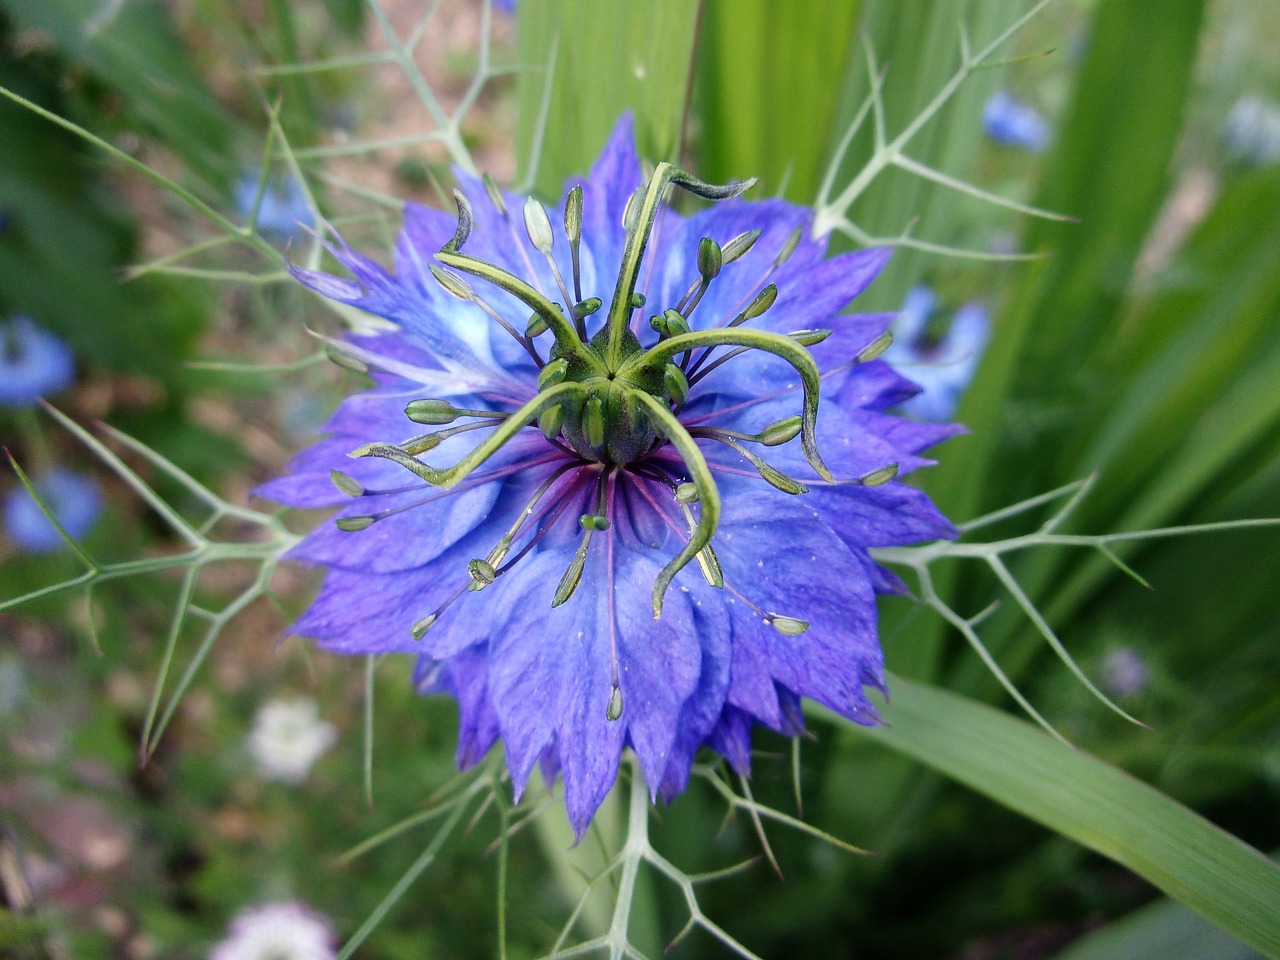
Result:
x=661 y=487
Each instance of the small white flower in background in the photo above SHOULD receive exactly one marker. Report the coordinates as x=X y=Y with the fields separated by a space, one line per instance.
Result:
x=277 y=931
x=1251 y=131
x=288 y=736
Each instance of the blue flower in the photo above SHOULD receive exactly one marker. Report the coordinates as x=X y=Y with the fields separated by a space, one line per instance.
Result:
x=1251 y=131
x=1012 y=122
x=74 y=500
x=941 y=365
x=1124 y=672
x=33 y=362
x=600 y=461
x=283 y=211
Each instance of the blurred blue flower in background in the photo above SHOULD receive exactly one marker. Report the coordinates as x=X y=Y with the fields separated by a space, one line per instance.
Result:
x=942 y=364
x=530 y=585
x=1011 y=122
x=288 y=930
x=283 y=211
x=505 y=6
x=1251 y=131
x=75 y=500
x=33 y=362
x=1124 y=672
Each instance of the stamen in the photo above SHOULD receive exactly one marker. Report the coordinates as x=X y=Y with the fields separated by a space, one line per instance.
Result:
x=482 y=573
x=435 y=412
x=758 y=305
x=495 y=195
x=771 y=475
x=670 y=324
x=573 y=575
x=614 y=710
x=420 y=628
x=429 y=441
x=787 y=626
x=708 y=562
x=875 y=348
x=739 y=245
x=345 y=360
x=454 y=284
x=346 y=483
x=538 y=225
x=499 y=553
x=573 y=230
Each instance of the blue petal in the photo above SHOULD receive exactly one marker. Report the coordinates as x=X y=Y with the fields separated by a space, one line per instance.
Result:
x=786 y=560
x=550 y=670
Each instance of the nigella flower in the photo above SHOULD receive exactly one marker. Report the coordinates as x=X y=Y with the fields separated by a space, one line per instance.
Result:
x=1011 y=122
x=1251 y=131
x=1124 y=672
x=33 y=362
x=631 y=522
x=73 y=499
x=282 y=212
x=277 y=931
x=942 y=365
x=288 y=737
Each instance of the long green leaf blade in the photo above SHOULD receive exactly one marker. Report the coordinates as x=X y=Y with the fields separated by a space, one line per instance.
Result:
x=1223 y=879
x=608 y=58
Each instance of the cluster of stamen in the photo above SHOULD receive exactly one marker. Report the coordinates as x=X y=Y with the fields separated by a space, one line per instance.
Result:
x=605 y=403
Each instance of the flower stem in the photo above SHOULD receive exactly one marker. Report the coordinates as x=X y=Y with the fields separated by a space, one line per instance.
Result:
x=633 y=854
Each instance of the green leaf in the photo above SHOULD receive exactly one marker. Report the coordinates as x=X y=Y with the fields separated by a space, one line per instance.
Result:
x=1109 y=168
x=1014 y=763
x=1162 y=931
x=768 y=87
x=609 y=58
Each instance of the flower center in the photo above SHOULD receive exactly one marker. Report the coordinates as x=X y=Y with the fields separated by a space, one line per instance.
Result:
x=608 y=400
